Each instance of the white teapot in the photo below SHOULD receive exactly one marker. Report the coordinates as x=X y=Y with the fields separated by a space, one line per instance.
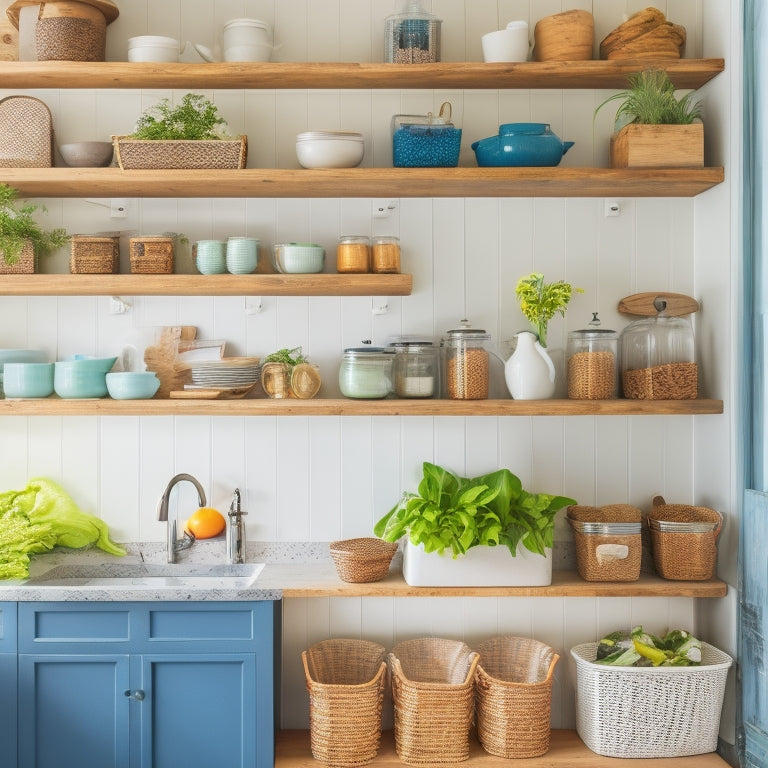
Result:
x=241 y=40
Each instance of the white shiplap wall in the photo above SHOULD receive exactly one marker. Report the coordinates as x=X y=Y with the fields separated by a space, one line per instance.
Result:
x=323 y=478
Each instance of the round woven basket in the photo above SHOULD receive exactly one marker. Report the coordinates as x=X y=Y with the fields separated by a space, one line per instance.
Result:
x=610 y=513
x=361 y=560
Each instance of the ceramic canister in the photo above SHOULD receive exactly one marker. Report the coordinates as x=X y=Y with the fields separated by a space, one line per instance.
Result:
x=242 y=255
x=210 y=257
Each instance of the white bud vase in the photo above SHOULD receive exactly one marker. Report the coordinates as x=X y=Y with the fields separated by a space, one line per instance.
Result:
x=529 y=372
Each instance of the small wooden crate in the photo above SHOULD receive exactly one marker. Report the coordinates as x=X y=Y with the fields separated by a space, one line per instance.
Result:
x=93 y=255
x=151 y=255
x=658 y=146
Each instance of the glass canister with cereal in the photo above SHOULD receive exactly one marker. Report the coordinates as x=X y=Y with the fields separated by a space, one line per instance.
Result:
x=466 y=363
x=592 y=368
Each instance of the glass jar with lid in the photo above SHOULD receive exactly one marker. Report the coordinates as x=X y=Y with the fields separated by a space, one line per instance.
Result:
x=353 y=253
x=412 y=36
x=466 y=363
x=593 y=362
x=658 y=357
x=415 y=368
x=366 y=373
x=385 y=254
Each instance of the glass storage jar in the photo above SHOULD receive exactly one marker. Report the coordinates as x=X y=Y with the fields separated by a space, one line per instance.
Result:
x=425 y=141
x=366 y=373
x=353 y=254
x=412 y=36
x=658 y=357
x=385 y=255
x=593 y=362
x=415 y=368
x=466 y=363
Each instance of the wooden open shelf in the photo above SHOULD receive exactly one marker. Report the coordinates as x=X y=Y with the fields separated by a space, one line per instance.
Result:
x=364 y=182
x=206 y=285
x=684 y=73
x=566 y=750
x=55 y=406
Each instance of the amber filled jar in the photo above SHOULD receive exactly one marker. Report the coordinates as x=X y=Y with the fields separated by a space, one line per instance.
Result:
x=466 y=363
x=593 y=362
x=353 y=254
x=385 y=254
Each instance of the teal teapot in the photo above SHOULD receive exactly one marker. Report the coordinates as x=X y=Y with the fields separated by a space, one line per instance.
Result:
x=521 y=145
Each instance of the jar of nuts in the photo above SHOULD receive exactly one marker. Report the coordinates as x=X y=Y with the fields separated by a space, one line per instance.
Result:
x=466 y=363
x=593 y=362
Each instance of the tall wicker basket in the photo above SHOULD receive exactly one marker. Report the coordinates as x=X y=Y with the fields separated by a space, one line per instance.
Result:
x=513 y=696
x=346 y=680
x=433 y=693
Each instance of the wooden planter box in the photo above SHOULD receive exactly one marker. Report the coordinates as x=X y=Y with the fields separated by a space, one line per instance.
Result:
x=134 y=154
x=658 y=146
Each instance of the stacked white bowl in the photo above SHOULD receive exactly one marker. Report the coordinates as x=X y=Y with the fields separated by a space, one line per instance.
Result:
x=329 y=149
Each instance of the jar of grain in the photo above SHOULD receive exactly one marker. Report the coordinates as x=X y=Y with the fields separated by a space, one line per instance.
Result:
x=353 y=254
x=385 y=254
x=657 y=357
x=593 y=369
x=415 y=368
x=466 y=363
x=366 y=373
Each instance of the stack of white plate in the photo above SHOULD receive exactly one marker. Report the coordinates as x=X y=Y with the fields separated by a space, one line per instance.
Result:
x=227 y=373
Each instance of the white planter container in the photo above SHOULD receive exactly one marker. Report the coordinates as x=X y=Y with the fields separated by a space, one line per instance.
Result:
x=479 y=567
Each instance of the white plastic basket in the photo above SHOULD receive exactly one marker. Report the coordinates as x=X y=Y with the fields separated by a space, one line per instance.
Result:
x=649 y=711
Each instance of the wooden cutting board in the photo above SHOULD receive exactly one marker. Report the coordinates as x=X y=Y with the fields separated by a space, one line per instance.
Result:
x=160 y=357
x=9 y=41
x=678 y=304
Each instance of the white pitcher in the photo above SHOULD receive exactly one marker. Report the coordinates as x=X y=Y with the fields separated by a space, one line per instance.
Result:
x=242 y=40
x=529 y=372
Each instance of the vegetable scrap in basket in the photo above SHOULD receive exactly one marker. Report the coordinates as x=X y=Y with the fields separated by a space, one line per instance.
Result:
x=638 y=648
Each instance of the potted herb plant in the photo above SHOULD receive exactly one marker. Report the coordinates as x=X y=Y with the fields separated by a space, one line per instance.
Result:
x=480 y=531
x=660 y=129
x=191 y=134
x=22 y=240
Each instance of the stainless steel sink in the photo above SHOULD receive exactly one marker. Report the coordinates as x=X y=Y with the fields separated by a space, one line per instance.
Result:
x=150 y=576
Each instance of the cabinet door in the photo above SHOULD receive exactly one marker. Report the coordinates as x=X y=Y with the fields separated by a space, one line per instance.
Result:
x=73 y=711
x=8 y=687
x=201 y=711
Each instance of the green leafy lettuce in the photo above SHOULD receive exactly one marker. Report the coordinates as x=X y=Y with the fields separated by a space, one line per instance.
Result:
x=457 y=513
x=41 y=517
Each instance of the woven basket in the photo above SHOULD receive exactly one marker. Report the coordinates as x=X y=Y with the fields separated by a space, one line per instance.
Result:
x=26 y=264
x=151 y=255
x=609 y=513
x=362 y=560
x=637 y=712
x=433 y=695
x=26 y=133
x=94 y=255
x=681 y=556
x=346 y=681
x=133 y=154
x=67 y=38
x=513 y=696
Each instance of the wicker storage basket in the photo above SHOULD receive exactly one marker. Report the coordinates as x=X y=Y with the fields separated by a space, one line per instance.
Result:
x=71 y=38
x=26 y=263
x=680 y=555
x=433 y=695
x=26 y=133
x=93 y=255
x=608 y=539
x=346 y=680
x=364 y=559
x=513 y=696
x=649 y=711
x=151 y=255
x=133 y=154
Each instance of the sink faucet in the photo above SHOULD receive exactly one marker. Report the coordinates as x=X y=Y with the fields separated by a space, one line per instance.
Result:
x=236 y=532
x=174 y=544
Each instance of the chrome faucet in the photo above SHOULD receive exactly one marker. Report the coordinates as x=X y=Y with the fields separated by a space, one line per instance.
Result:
x=236 y=532
x=175 y=544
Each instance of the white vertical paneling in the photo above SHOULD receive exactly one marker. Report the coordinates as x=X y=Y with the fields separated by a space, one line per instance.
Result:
x=157 y=466
x=324 y=480
x=293 y=479
x=385 y=447
x=118 y=475
x=611 y=460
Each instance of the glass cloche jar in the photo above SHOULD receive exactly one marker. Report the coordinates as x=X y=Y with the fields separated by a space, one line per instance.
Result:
x=593 y=362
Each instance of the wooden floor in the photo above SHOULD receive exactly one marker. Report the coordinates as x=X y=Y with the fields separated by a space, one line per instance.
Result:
x=566 y=751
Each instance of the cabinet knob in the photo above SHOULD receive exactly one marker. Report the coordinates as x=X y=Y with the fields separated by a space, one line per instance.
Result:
x=138 y=695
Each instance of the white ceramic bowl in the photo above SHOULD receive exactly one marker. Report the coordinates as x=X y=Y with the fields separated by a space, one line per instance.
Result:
x=87 y=154
x=153 y=48
x=329 y=149
x=298 y=258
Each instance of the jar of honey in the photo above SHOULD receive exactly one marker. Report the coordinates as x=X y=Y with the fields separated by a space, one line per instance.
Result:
x=385 y=254
x=353 y=254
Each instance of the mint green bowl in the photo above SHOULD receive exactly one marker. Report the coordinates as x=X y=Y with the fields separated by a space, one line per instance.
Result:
x=28 y=379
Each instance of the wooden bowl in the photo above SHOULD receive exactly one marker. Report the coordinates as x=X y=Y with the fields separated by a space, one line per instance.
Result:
x=567 y=36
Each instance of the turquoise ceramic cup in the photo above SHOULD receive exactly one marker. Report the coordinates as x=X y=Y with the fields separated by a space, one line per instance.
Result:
x=210 y=257
x=28 y=379
x=242 y=255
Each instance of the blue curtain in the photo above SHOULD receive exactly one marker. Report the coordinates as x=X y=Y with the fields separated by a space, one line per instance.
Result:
x=753 y=569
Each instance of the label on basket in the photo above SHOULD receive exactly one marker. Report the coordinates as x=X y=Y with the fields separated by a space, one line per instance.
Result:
x=609 y=553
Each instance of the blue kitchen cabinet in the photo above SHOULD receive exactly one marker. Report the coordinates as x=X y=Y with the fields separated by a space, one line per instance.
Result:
x=146 y=685
x=8 y=683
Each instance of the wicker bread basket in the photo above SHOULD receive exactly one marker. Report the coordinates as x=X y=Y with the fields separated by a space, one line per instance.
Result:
x=346 y=680
x=679 y=555
x=513 y=696
x=26 y=264
x=92 y=255
x=433 y=695
x=362 y=560
x=139 y=154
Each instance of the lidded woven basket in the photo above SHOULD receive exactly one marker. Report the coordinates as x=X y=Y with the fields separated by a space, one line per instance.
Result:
x=433 y=694
x=346 y=680
x=94 y=254
x=363 y=559
x=513 y=696
x=151 y=255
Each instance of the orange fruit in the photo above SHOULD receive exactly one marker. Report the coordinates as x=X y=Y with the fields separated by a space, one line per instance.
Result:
x=206 y=523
